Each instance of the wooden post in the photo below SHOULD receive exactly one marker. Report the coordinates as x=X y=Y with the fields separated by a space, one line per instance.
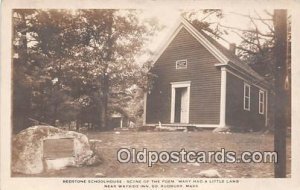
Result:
x=223 y=97
x=280 y=52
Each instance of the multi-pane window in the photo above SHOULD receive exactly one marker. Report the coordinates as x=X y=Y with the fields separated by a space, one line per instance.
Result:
x=181 y=64
x=261 y=102
x=246 y=97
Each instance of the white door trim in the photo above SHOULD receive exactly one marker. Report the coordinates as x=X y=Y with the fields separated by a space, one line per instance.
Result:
x=181 y=84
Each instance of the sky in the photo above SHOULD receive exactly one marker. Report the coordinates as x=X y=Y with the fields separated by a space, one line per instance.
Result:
x=232 y=18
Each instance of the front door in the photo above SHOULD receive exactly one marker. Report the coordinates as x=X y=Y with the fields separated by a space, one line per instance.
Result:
x=180 y=101
x=178 y=94
x=181 y=105
x=184 y=106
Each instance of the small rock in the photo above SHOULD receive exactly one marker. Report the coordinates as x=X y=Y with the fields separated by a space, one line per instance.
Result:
x=193 y=164
x=99 y=175
x=117 y=132
x=211 y=173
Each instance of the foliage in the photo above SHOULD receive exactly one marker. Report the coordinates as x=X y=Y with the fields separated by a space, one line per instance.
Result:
x=75 y=64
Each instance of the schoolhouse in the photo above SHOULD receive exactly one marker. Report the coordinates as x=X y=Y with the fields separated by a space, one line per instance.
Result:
x=201 y=83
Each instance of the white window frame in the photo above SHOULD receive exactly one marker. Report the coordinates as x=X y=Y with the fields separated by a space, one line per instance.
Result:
x=261 y=103
x=180 y=61
x=247 y=97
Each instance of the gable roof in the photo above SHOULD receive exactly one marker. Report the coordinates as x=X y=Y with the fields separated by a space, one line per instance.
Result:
x=233 y=59
x=225 y=56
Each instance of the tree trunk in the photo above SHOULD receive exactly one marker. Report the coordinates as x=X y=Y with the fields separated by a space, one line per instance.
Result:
x=280 y=26
x=21 y=91
x=24 y=55
x=105 y=77
x=104 y=102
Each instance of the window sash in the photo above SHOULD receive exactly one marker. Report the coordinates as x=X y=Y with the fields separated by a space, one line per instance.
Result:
x=261 y=102
x=247 y=93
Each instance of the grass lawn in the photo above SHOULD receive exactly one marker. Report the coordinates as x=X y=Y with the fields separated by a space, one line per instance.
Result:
x=160 y=141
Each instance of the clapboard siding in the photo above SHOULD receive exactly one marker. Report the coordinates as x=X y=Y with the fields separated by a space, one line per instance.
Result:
x=204 y=76
x=236 y=116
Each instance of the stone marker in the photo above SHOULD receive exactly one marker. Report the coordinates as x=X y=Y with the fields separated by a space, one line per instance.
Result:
x=58 y=148
x=39 y=148
x=58 y=153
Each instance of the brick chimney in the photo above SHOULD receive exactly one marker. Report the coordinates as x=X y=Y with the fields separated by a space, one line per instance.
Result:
x=232 y=48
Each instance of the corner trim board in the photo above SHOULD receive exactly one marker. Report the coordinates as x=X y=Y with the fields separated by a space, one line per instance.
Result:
x=145 y=108
x=223 y=97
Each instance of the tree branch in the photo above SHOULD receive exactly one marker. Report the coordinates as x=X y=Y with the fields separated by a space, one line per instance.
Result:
x=246 y=30
x=268 y=13
x=212 y=12
x=239 y=14
x=264 y=22
x=256 y=34
x=246 y=50
x=245 y=39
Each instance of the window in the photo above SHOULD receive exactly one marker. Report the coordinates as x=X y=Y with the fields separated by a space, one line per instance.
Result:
x=261 y=102
x=181 y=64
x=246 y=97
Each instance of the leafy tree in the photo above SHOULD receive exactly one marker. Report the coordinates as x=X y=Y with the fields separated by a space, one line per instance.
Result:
x=76 y=64
x=112 y=39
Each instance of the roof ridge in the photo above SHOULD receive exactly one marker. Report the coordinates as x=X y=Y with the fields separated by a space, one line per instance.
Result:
x=233 y=58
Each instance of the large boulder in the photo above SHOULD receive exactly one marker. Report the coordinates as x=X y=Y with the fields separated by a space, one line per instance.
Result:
x=28 y=155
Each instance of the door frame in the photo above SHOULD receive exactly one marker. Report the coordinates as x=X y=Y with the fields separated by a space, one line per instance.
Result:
x=181 y=84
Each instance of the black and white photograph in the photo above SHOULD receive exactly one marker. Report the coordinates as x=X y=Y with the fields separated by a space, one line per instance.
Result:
x=153 y=95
